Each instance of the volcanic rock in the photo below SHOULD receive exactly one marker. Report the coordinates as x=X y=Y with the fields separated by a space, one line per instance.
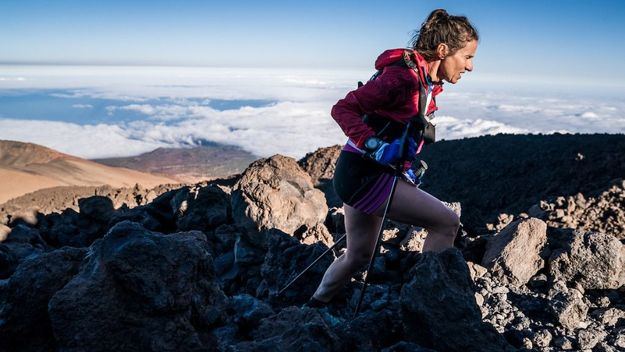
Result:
x=513 y=255
x=24 y=242
x=292 y=329
x=567 y=306
x=439 y=309
x=201 y=208
x=24 y=321
x=8 y=261
x=155 y=216
x=286 y=257
x=404 y=346
x=277 y=193
x=603 y=213
x=594 y=260
x=139 y=290
x=320 y=165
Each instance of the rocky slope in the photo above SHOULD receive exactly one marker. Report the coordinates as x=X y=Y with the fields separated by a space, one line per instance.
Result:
x=200 y=267
x=190 y=165
x=510 y=173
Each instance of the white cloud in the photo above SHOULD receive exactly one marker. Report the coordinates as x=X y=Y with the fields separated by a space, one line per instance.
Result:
x=88 y=141
x=82 y=106
x=448 y=127
x=174 y=102
x=15 y=79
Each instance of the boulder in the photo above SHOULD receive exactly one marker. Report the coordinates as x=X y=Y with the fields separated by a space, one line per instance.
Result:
x=567 y=306
x=513 y=255
x=247 y=311
x=82 y=228
x=8 y=261
x=97 y=208
x=24 y=321
x=238 y=254
x=592 y=260
x=439 y=309
x=203 y=208
x=61 y=229
x=320 y=165
x=150 y=217
x=277 y=193
x=587 y=339
x=370 y=330
x=292 y=329
x=404 y=346
x=24 y=242
x=25 y=235
x=139 y=290
x=286 y=257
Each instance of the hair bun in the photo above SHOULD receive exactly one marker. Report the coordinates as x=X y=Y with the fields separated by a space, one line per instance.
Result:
x=443 y=28
x=437 y=16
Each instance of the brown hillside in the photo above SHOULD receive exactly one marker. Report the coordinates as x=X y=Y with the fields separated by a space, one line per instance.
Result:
x=27 y=167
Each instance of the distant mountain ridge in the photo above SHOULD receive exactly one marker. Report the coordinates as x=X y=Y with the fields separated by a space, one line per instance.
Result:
x=205 y=162
x=27 y=167
x=18 y=154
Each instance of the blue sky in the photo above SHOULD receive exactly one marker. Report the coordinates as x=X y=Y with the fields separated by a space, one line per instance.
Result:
x=87 y=77
x=573 y=40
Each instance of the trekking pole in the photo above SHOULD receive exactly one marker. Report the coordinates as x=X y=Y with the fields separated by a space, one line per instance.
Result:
x=398 y=172
x=313 y=263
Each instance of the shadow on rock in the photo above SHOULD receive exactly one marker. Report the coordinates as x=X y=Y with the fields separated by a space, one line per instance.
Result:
x=140 y=290
x=439 y=309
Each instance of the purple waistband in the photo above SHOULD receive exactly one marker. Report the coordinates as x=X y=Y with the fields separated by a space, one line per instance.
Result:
x=349 y=148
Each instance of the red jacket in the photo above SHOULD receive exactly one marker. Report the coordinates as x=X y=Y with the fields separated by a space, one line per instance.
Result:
x=393 y=94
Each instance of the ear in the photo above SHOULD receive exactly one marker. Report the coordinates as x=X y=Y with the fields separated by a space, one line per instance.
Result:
x=442 y=50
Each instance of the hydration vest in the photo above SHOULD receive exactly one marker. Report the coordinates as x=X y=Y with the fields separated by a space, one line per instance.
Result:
x=388 y=129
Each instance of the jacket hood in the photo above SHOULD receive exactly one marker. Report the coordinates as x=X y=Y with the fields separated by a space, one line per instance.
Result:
x=393 y=55
x=388 y=57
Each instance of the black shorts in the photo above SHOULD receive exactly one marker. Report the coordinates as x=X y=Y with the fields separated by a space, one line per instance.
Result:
x=362 y=183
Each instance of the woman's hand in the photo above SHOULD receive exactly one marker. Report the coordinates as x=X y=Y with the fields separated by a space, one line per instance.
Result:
x=390 y=153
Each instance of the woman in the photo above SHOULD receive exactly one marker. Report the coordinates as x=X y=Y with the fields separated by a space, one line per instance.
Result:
x=443 y=49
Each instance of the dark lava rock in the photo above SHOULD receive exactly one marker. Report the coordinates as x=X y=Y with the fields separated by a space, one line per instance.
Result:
x=8 y=261
x=60 y=230
x=203 y=208
x=505 y=173
x=97 y=208
x=286 y=257
x=370 y=330
x=139 y=290
x=404 y=346
x=439 y=309
x=22 y=242
x=293 y=329
x=24 y=321
x=247 y=311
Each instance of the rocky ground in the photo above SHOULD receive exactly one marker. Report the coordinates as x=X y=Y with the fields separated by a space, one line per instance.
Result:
x=199 y=268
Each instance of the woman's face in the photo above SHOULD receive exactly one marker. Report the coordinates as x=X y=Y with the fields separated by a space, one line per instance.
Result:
x=453 y=66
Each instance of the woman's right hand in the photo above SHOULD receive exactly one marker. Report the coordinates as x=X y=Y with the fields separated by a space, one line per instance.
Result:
x=390 y=153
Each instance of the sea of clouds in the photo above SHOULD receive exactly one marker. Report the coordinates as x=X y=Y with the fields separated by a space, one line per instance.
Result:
x=268 y=111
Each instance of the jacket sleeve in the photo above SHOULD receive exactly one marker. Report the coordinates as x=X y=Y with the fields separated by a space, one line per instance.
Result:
x=383 y=92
